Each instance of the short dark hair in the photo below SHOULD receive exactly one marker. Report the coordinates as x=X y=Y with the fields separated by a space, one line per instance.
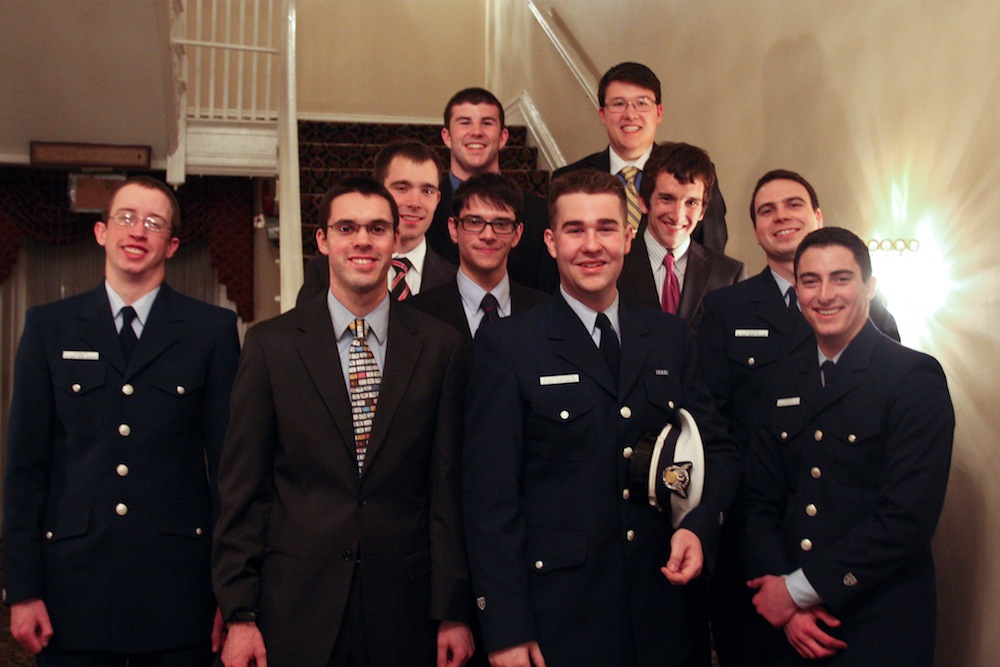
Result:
x=837 y=236
x=782 y=175
x=364 y=185
x=493 y=189
x=682 y=161
x=584 y=181
x=150 y=183
x=473 y=96
x=411 y=149
x=635 y=73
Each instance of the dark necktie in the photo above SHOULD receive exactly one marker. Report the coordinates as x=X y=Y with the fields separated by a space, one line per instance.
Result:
x=671 y=298
x=491 y=310
x=826 y=372
x=365 y=381
x=793 y=303
x=609 y=345
x=127 y=334
x=400 y=290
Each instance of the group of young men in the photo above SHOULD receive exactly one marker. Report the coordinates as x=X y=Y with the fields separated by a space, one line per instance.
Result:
x=430 y=463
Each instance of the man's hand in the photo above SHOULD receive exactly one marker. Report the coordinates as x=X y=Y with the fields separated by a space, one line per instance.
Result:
x=30 y=625
x=807 y=638
x=772 y=600
x=244 y=646
x=218 y=631
x=455 y=644
x=522 y=655
x=686 y=558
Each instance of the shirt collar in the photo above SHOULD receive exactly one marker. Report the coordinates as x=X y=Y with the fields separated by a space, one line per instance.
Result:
x=783 y=284
x=588 y=315
x=657 y=252
x=472 y=294
x=415 y=255
x=142 y=305
x=341 y=317
x=617 y=162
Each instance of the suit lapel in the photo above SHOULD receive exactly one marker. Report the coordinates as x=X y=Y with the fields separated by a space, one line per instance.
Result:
x=696 y=276
x=160 y=331
x=637 y=275
x=635 y=348
x=317 y=347
x=97 y=328
x=770 y=306
x=574 y=344
x=401 y=356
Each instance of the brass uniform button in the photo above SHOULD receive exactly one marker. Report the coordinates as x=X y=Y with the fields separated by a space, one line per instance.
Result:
x=128 y=389
x=121 y=509
x=124 y=429
x=806 y=544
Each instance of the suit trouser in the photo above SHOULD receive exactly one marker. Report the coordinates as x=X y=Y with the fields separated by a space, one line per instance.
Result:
x=195 y=655
x=351 y=647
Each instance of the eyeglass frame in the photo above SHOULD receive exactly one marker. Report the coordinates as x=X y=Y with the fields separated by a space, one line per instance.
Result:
x=153 y=223
x=464 y=220
x=610 y=105
x=390 y=228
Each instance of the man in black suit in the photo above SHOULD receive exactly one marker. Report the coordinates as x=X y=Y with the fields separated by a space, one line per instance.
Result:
x=675 y=193
x=475 y=131
x=120 y=405
x=486 y=225
x=630 y=110
x=409 y=169
x=340 y=537
x=568 y=567
x=745 y=330
x=847 y=476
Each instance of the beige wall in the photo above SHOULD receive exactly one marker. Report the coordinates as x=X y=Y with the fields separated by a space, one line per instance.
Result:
x=387 y=58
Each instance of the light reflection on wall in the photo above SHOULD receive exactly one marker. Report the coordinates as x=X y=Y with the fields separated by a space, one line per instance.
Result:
x=913 y=274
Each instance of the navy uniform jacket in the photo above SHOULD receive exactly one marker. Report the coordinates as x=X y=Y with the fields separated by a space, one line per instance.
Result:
x=109 y=506
x=529 y=262
x=848 y=482
x=706 y=272
x=445 y=303
x=711 y=232
x=745 y=329
x=436 y=272
x=558 y=552
x=296 y=516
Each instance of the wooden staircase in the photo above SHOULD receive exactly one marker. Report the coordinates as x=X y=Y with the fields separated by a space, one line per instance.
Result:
x=330 y=151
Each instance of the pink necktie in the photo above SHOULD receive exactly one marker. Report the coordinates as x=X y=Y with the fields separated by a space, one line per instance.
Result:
x=671 y=297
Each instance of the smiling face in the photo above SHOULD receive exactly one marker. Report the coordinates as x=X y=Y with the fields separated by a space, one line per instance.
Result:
x=414 y=186
x=630 y=132
x=475 y=136
x=674 y=209
x=134 y=257
x=833 y=295
x=589 y=240
x=784 y=217
x=359 y=261
x=483 y=255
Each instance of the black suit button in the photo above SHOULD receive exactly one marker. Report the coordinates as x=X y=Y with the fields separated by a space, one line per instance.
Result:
x=362 y=501
x=348 y=556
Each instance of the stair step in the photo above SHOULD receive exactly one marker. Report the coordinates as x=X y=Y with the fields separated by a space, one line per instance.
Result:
x=318 y=181
x=362 y=156
x=314 y=131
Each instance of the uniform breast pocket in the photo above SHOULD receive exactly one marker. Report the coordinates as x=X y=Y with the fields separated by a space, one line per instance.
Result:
x=79 y=395
x=857 y=450
x=176 y=399
x=665 y=392
x=753 y=352
x=562 y=428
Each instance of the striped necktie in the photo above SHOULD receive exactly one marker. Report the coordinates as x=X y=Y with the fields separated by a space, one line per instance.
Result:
x=365 y=382
x=399 y=289
x=632 y=197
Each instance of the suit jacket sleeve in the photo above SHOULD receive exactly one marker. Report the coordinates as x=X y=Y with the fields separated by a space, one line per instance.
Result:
x=245 y=483
x=29 y=452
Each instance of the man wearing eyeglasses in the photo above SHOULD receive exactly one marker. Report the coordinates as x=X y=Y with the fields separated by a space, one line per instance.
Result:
x=410 y=170
x=121 y=399
x=340 y=535
x=485 y=225
x=630 y=110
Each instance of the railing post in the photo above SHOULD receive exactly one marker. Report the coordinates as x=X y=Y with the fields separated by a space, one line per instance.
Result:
x=290 y=213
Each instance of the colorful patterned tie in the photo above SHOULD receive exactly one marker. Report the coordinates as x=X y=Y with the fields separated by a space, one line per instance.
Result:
x=671 y=297
x=400 y=290
x=127 y=334
x=632 y=197
x=365 y=380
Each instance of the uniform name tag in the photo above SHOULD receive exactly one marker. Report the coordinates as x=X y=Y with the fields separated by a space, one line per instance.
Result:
x=661 y=371
x=751 y=333
x=81 y=355
x=788 y=402
x=558 y=379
